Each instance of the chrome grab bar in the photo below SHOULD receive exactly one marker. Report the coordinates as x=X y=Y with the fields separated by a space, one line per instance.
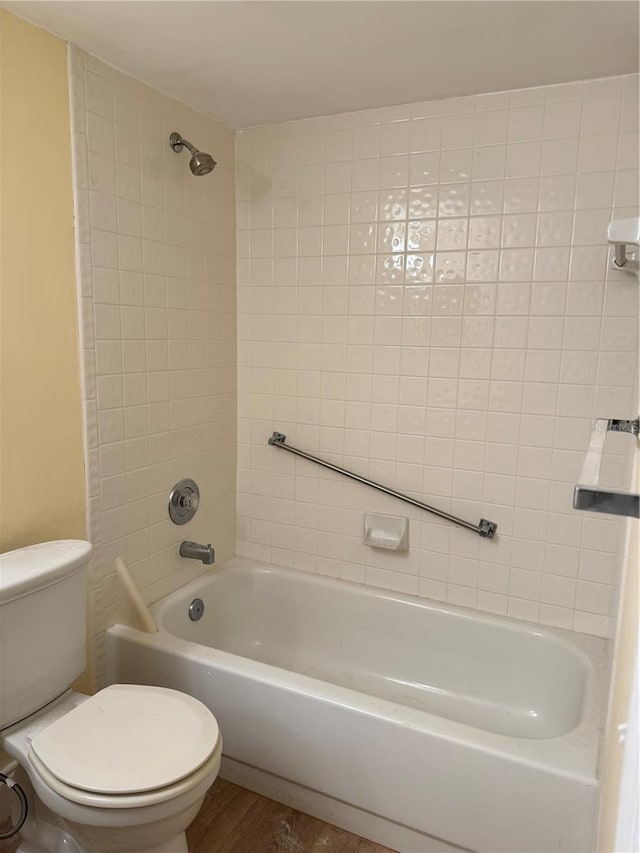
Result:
x=486 y=529
x=588 y=495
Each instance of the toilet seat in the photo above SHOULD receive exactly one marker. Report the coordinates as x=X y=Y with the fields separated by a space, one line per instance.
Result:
x=128 y=801
x=128 y=746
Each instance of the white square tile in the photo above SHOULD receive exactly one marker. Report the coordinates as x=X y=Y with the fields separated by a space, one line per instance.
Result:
x=557 y=192
x=483 y=267
x=456 y=165
x=554 y=228
x=593 y=597
x=420 y=203
x=525 y=123
x=518 y=230
x=523 y=159
x=627 y=153
x=599 y=112
x=559 y=156
x=457 y=131
x=395 y=138
x=452 y=234
x=598 y=153
x=625 y=193
x=454 y=200
x=562 y=119
x=490 y=127
x=489 y=162
x=551 y=264
x=594 y=190
x=365 y=174
x=99 y=95
x=520 y=195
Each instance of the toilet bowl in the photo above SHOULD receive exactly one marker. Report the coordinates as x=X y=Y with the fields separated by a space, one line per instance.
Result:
x=125 y=770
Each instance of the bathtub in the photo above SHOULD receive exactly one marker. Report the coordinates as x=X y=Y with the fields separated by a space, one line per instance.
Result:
x=425 y=727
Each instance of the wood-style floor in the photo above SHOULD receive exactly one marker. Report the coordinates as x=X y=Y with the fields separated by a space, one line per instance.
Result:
x=234 y=820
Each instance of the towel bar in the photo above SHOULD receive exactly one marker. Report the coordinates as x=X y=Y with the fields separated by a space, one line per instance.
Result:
x=486 y=529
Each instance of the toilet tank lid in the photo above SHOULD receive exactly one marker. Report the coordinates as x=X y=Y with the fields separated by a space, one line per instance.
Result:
x=38 y=566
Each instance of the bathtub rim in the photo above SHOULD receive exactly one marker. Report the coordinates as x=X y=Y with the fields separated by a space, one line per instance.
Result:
x=574 y=754
x=583 y=646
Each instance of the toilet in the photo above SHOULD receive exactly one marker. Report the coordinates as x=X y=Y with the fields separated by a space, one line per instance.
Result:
x=124 y=770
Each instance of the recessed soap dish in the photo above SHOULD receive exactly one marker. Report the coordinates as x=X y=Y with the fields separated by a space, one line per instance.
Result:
x=386 y=531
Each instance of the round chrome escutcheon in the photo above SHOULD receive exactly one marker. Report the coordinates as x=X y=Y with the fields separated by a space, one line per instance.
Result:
x=196 y=609
x=183 y=501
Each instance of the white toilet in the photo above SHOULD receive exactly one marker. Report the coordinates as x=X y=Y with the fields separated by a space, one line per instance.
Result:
x=125 y=770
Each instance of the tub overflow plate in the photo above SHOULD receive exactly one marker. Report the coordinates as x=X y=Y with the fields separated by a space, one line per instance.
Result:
x=196 y=609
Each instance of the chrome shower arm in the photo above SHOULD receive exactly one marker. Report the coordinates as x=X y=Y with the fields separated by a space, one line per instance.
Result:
x=176 y=141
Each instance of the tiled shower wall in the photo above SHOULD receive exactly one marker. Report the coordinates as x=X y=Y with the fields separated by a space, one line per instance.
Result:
x=424 y=297
x=156 y=262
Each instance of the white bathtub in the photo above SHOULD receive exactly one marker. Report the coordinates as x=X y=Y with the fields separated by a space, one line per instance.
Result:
x=422 y=726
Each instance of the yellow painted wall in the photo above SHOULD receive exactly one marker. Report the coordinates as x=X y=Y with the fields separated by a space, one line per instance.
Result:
x=41 y=446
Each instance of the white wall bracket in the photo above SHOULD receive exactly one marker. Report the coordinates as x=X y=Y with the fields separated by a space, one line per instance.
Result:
x=624 y=235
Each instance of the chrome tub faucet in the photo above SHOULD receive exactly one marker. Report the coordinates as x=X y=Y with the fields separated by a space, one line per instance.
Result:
x=195 y=551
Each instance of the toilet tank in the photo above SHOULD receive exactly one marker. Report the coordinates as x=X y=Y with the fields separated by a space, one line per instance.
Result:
x=43 y=624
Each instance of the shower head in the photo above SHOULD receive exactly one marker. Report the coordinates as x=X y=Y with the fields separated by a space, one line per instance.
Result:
x=201 y=163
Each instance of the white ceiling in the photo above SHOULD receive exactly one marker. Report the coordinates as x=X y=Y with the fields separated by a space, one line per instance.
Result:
x=249 y=62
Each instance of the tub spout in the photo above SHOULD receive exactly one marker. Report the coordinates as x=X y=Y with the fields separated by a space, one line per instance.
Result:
x=194 y=551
